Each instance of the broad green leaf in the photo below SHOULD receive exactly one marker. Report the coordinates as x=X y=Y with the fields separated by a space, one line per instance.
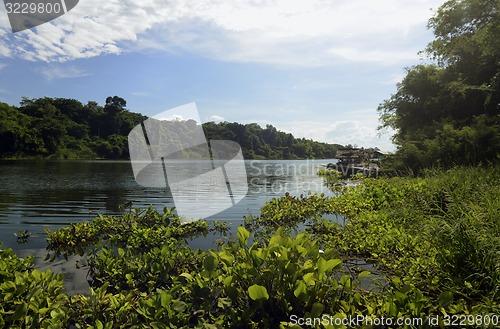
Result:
x=242 y=235
x=165 y=299
x=20 y=312
x=445 y=298
x=43 y=310
x=321 y=265
x=345 y=280
x=276 y=240
x=227 y=258
x=309 y=279
x=301 y=250
x=363 y=274
x=257 y=292
x=325 y=266
x=210 y=263
x=300 y=237
x=390 y=308
x=36 y=274
x=9 y=286
x=227 y=281
x=301 y=288
x=308 y=264
x=317 y=310
x=187 y=276
x=178 y=306
x=334 y=263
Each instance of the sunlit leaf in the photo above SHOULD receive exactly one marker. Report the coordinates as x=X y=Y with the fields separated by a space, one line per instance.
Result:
x=257 y=292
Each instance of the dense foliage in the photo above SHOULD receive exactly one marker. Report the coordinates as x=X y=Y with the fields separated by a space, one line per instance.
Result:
x=431 y=245
x=448 y=112
x=66 y=128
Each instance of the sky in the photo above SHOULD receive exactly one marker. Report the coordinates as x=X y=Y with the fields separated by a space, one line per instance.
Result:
x=315 y=68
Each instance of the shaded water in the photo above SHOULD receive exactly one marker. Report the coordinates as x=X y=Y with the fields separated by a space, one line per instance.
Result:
x=49 y=194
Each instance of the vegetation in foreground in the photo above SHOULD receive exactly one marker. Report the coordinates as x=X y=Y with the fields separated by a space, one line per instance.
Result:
x=433 y=241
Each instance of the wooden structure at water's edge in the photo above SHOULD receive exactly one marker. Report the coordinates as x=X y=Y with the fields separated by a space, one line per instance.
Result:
x=354 y=160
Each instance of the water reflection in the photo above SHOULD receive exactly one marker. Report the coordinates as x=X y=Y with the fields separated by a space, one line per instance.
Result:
x=47 y=194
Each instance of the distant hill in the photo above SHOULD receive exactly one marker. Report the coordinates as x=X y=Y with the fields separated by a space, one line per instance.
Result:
x=60 y=128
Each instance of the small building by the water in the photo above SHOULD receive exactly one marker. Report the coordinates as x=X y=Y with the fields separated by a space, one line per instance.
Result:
x=379 y=155
x=352 y=156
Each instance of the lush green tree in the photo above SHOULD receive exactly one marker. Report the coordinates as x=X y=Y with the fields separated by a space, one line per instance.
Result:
x=115 y=104
x=12 y=130
x=52 y=132
x=442 y=111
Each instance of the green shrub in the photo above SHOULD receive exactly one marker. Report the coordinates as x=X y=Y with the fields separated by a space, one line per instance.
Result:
x=431 y=243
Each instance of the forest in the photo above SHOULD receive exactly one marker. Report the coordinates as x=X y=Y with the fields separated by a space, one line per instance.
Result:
x=60 y=128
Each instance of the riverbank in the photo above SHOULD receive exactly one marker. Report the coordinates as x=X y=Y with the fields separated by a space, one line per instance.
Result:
x=434 y=240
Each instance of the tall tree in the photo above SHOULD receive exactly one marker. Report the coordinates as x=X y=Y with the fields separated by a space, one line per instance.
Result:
x=112 y=119
x=443 y=111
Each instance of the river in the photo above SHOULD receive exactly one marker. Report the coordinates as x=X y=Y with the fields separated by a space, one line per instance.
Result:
x=49 y=194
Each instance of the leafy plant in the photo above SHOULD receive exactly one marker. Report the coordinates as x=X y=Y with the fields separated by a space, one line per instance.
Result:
x=22 y=236
x=429 y=245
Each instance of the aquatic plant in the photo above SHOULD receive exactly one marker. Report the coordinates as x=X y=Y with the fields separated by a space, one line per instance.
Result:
x=22 y=236
x=432 y=244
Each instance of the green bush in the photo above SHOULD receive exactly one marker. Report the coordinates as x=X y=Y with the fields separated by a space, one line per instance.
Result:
x=30 y=298
x=431 y=245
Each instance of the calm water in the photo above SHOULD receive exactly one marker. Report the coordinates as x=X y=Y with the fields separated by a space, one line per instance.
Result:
x=39 y=194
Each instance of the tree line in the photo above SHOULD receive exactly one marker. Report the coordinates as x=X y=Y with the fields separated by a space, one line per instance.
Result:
x=63 y=128
x=447 y=113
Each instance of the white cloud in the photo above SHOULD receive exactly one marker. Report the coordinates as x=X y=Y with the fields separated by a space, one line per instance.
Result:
x=216 y=118
x=54 y=72
x=180 y=113
x=354 y=132
x=293 y=32
x=174 y=117
x=369 y=55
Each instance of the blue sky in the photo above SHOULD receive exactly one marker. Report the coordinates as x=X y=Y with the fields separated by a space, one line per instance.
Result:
x=315 y=68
